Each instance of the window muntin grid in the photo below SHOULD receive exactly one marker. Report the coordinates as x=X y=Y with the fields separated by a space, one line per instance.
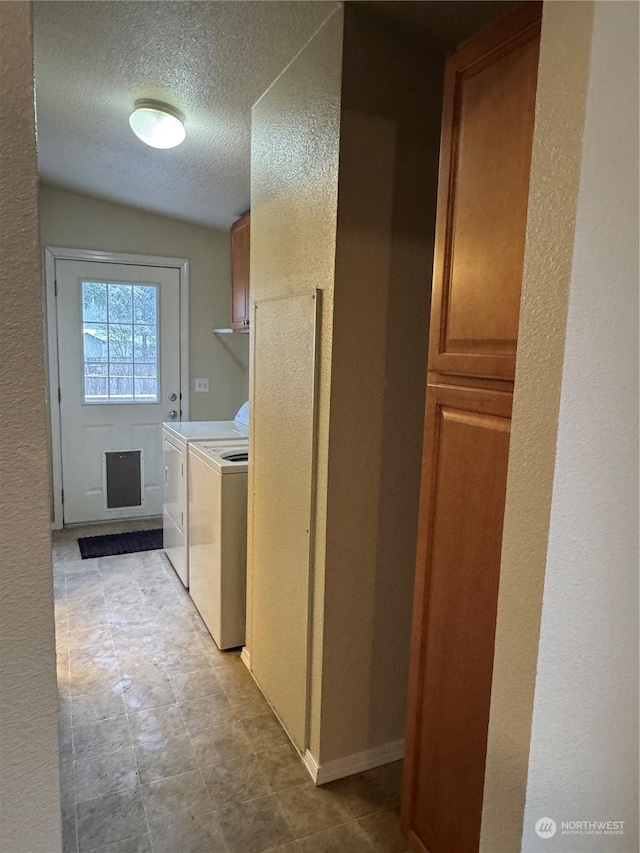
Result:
x=120 y=343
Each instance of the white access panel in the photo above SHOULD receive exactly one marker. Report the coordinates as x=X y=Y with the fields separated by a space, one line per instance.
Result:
x=283 y=483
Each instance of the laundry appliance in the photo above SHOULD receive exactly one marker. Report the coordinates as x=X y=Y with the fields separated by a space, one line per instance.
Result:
x=217 y=537
x=176 y=438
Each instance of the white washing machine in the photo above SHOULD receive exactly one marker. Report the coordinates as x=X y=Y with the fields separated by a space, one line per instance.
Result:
x=218 y=537
x=176 y=437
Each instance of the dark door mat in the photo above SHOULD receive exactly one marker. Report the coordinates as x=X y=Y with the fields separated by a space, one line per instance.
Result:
x=120 y=543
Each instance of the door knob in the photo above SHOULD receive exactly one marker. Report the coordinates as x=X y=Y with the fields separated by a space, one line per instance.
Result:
x=173 y=397
x=173 y=415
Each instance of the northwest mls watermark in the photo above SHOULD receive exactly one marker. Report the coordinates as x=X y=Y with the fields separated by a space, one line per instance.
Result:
x=546 y=827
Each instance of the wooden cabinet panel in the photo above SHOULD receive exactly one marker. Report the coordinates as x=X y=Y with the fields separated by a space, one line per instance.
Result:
x=240 y=243
x=487 y=131
x=488 y=117
x=462 y=506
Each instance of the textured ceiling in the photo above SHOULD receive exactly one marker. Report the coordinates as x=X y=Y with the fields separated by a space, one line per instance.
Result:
x=212 y=60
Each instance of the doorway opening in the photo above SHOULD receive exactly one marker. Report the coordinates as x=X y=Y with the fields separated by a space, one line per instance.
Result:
x=118 y=339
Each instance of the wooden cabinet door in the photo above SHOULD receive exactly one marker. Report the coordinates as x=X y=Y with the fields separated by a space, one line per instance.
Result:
x=488 y=118
x=240 y=242
x=483 y=191
x=458 y=562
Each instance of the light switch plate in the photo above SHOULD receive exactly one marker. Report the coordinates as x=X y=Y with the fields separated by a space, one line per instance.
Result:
x=202 y=385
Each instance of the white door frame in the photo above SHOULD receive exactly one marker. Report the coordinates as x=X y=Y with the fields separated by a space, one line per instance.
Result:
x=53 y=254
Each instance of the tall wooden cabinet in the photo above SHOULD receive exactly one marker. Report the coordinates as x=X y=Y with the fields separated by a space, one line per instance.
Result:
x=488 y=116
x=240 y=243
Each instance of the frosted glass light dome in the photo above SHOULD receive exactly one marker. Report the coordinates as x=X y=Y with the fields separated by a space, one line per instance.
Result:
x=157 y=124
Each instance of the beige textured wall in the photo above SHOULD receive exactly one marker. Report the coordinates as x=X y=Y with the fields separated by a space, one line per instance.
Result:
x=294 y=186
x=70 y=220
x=380 y=121
x=389 y=144
x=29 y=787
x=555 y=173
x=583 y=761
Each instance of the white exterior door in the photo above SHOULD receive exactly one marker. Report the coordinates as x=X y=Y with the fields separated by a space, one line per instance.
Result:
x=119 y=378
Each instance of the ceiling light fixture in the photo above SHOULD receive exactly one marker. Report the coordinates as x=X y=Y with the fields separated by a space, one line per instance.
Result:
x=157 y=124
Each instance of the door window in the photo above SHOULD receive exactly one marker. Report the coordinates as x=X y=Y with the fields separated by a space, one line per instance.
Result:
x=120 y=342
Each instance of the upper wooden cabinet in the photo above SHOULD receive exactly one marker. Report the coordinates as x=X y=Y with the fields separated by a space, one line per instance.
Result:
x=240 y=242
x=487 y=121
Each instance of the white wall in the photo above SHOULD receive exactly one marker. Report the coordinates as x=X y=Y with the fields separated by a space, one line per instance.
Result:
x=583 y=762
x=29 y=787
x=70 y=220
x=555 y=174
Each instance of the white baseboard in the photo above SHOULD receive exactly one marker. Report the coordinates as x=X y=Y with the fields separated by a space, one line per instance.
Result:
x=245 y=657
x=356 y=763
x=311 y=764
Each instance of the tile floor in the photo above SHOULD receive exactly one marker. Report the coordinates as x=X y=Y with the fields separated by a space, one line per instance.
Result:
x=166 y=743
